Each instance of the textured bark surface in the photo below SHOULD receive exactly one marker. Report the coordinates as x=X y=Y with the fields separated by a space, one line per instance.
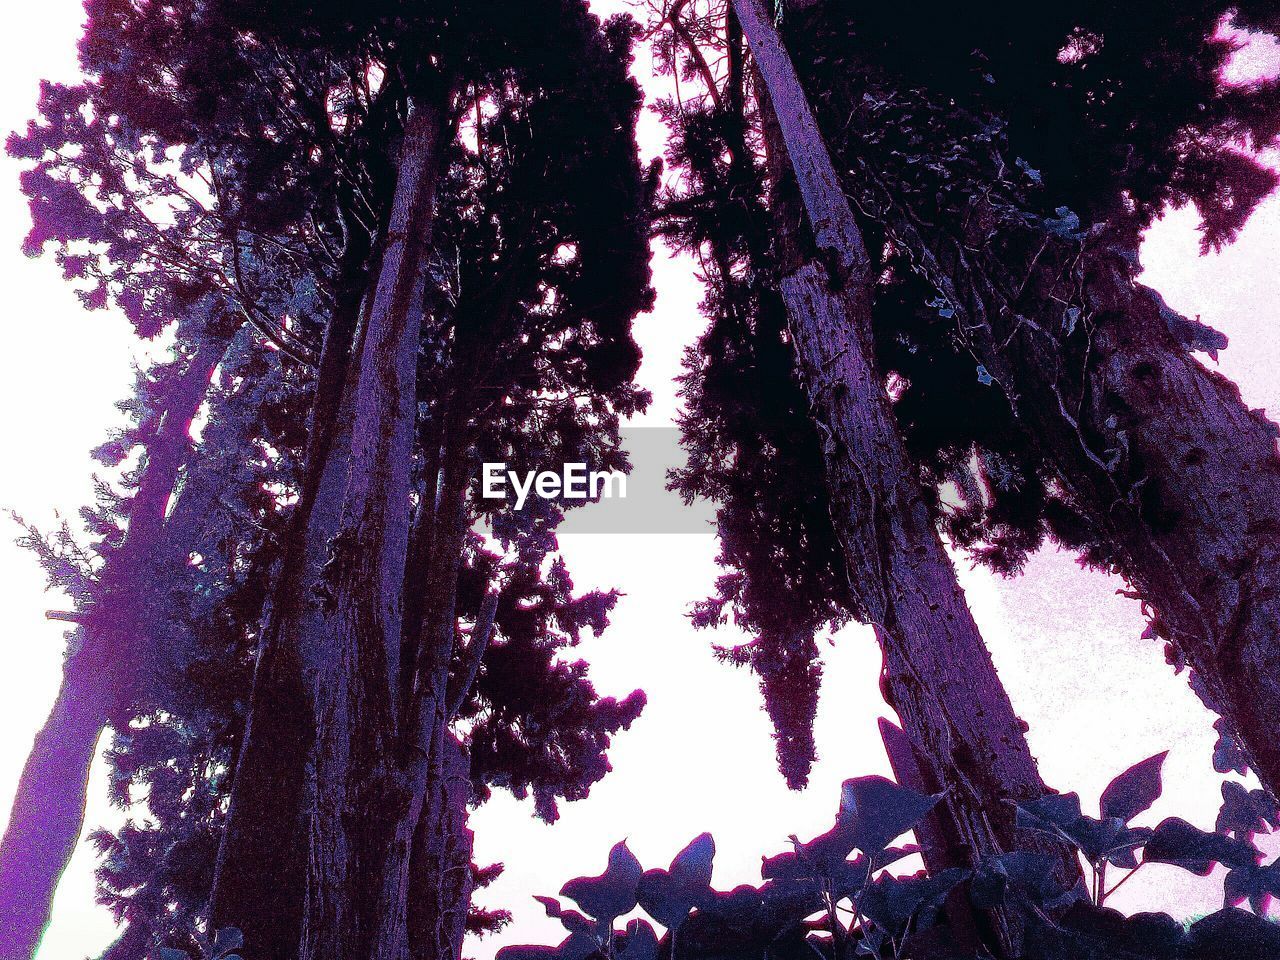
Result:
x=1192 y=504
x=48 y=813
x=440 y=875
x=1178 y=477
x=47 y=816
x=362 y=814
x=260 y=877
x=317 y=800
x=939 y=676
x=938 y=673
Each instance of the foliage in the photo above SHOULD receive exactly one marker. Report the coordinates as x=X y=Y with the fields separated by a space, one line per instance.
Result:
x=219 y=167
x=835 y=895
x=1081 y=121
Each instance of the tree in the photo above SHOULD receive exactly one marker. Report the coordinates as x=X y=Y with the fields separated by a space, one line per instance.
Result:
x=314 y=162
x=1140 y=455
x=135 y=236
x=960 y=162
x=900 y=580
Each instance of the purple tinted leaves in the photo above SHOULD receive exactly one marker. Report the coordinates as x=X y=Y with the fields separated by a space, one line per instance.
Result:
x=1058 y=815
x=1233 y=933
x=1228 y=757
x=693 y=864
x=1255 y=883
x=1030 y=874
x=1179 y=843
x=1246 y=812
x=669 y=895
x=611 y=894
x=1053 y=814
x=529 y=952
x=875 y=810
x=1135 y=790
x=573 y=921
x=639 y=942
x=892 y=902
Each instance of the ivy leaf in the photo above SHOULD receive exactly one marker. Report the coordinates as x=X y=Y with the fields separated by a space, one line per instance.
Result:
x=893 y=902
x=1233 y=933
x=572 y=920
x=1135 y=790
x=641 y=942
x=611 y=894
x=1177 y=842
x=1053 y=814
x=1255 y=883
x=669 y=895
x=1030 y=874
x=875 y=810
x=1228 y=757
x=578 y=946
x=1246 y=812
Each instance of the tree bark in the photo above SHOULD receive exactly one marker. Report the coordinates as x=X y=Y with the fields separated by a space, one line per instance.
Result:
x=440 y=869
x=48 y=813
x=315 y=784
x=1178 y=478
x=938 y=673
x=260 y=876
x=357 y=869
x=47 y=816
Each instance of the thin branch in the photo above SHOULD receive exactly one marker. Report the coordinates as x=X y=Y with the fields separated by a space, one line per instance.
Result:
x=679 y=28
x=481 y=633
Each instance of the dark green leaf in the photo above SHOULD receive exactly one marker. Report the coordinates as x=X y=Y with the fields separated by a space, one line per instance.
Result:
x=611 y=894
x=874 y=811
x=1135 y=790
x=641 y=942
x=1177 y=842
x=669 y=895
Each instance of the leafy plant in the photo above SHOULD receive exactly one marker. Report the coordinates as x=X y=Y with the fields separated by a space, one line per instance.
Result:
x=835 y=896
x=1112 y=841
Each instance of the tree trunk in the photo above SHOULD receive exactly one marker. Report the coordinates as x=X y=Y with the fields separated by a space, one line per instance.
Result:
x=414 y=859
x=260 y=875
x=360 y=805
x=48 y=809
x=939 y=675
x=440 y=869
x=259 y=879
x=48 y=813
x=1179 y=479
x=314 y=786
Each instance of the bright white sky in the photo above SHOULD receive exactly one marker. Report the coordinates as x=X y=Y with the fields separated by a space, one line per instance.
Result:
x=1096 y=696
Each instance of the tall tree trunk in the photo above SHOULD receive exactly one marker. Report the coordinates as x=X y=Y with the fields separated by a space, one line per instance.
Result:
x=260 y=876
x=259 y=879
x=1178 y=477
x=48 y=809
x=440 y=868
x=48 y=812
x=939 y=675
x=414 y=862
x=360 y=801
x=322 y=715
